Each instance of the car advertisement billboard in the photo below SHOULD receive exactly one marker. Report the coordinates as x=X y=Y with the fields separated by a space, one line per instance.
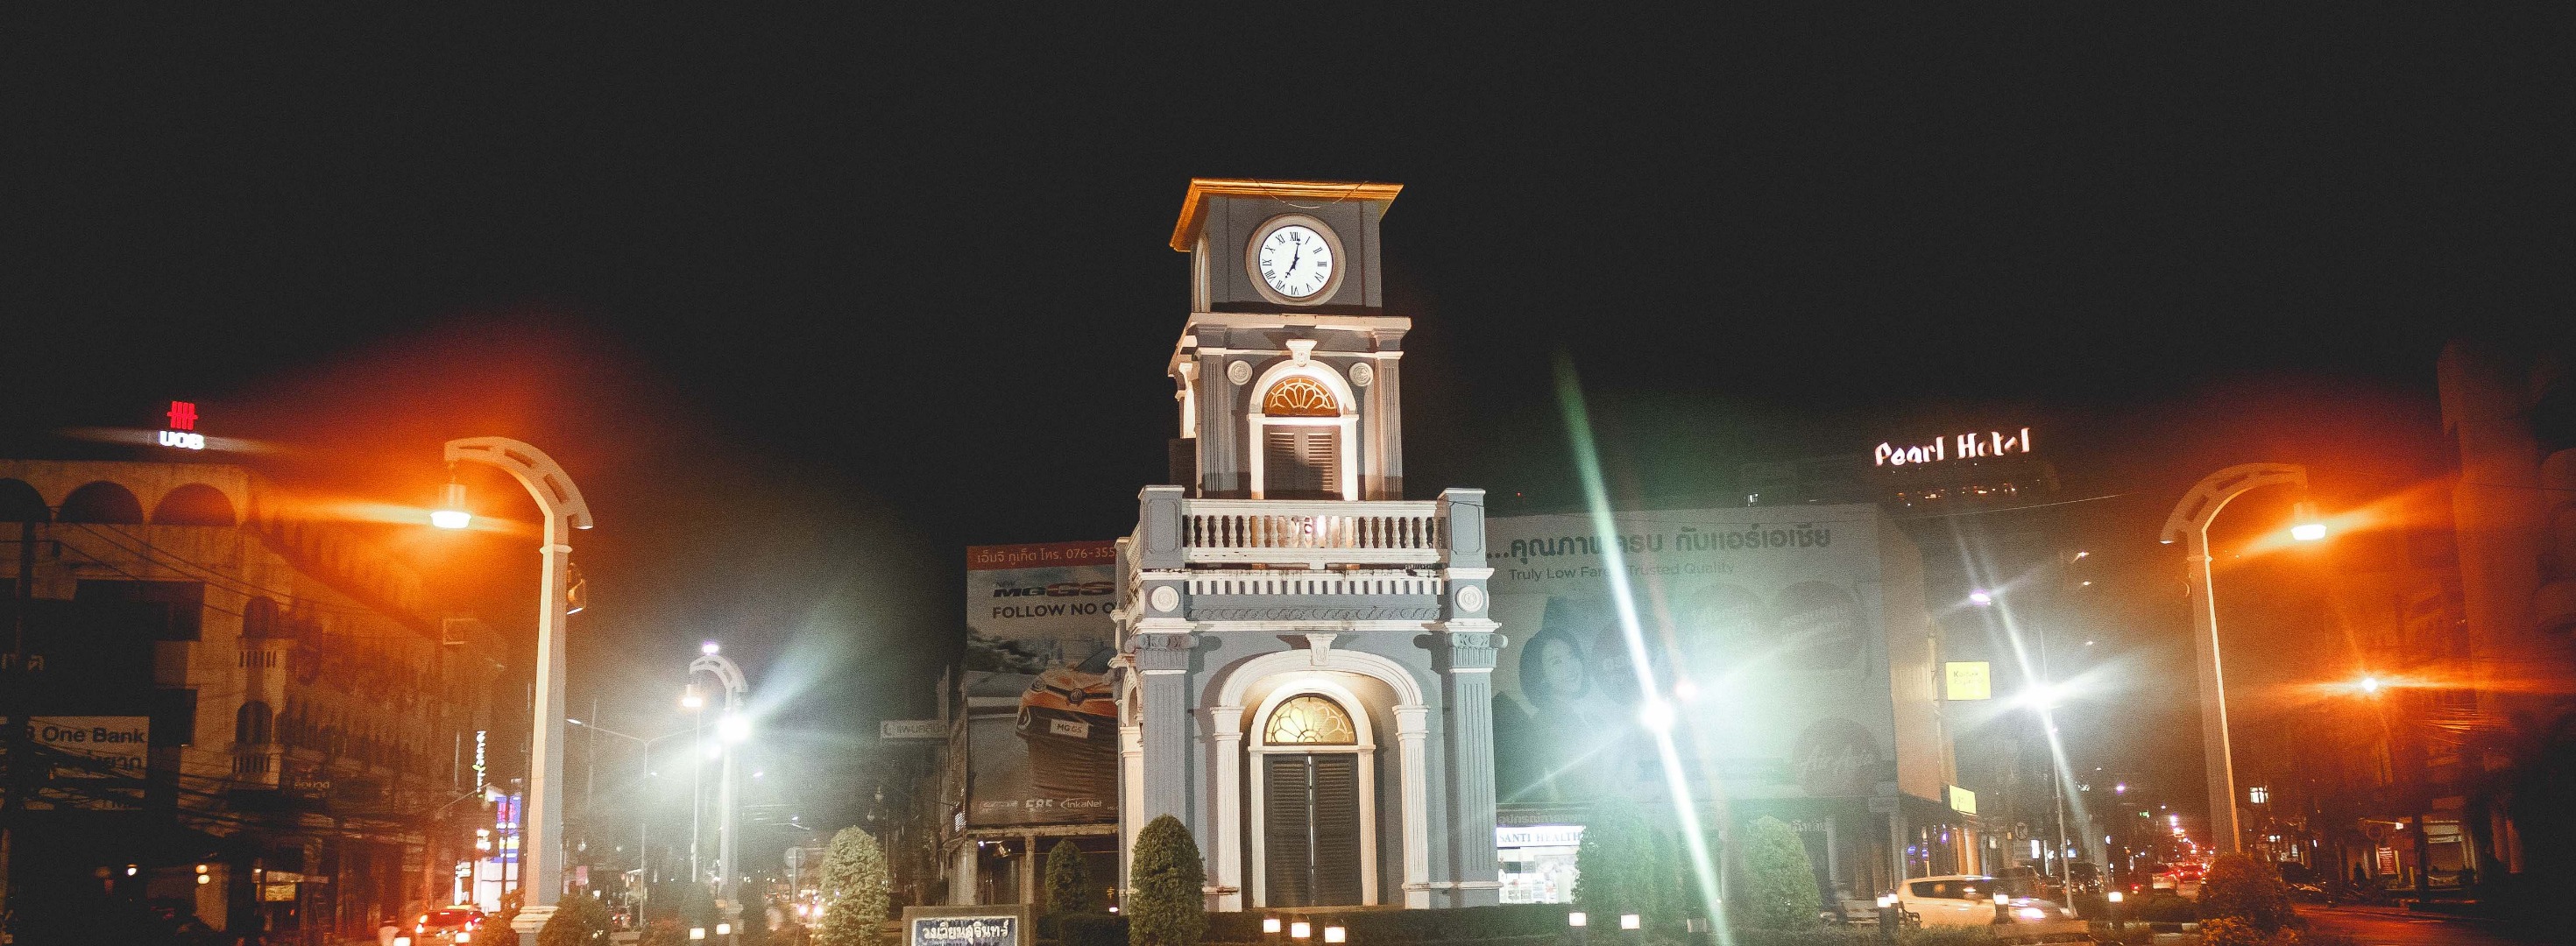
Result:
x=1041 y=720
x=1769 y=630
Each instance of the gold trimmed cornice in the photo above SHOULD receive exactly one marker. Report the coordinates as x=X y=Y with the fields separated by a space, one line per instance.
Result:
x=1194 y=207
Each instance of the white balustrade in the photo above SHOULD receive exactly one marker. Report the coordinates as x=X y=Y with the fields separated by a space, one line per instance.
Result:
x=1310 y=583
x=1314 y=533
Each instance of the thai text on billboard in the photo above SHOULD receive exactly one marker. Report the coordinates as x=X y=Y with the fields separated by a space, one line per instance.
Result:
x=1041 y=720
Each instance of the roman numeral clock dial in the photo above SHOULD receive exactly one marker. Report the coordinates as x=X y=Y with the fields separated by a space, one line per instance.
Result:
x=1295 y=261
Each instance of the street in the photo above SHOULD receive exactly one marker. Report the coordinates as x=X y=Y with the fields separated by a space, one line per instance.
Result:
x=2389 y=926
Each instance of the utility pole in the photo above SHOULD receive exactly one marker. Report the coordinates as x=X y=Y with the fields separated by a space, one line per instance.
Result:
x=16 y=781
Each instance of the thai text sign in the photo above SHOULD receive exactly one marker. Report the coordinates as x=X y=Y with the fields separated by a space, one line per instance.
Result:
x=965 y=930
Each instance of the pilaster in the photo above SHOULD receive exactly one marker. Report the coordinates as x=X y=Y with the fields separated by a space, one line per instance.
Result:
x=1465 y=661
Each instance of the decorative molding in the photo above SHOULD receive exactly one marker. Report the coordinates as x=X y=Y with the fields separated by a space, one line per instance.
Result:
x=1296 y=615
x=1362 y=375
x=1239 y=372
x=1166 y=598
x=1321 y=645
x=1471 y=598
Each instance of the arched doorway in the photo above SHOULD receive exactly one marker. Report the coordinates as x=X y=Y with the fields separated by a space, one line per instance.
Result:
x=1313 y=791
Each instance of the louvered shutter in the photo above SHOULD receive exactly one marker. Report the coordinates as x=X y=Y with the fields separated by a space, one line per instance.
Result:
x=1301 y=463
x=1288 y=827
x=1337 y=829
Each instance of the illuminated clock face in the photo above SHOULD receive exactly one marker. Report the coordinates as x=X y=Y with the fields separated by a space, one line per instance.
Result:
x=1295 y=261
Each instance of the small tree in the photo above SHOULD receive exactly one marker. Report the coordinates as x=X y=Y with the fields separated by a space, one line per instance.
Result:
x=2243 y=887
x=1068 y=881
x=854 y=877
x=1779 y=880
x=579 y=920
x=1166 y=908
x=1622 y=864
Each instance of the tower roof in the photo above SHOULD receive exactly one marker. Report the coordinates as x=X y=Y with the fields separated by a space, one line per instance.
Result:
x=1194 y=205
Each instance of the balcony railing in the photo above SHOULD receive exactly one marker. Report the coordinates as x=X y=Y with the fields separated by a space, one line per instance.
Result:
x=1310 y=532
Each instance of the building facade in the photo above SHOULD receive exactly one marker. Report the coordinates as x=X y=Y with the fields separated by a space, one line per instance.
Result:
x=313 y=735
x=1304 y=655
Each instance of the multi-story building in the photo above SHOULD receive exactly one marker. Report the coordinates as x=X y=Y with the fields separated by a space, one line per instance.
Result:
x=2509 y=414
x=313 y=754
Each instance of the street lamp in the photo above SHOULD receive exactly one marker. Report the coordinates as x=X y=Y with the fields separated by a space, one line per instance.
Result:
x=731 y=728
x=2190 y=522
x=561 y=503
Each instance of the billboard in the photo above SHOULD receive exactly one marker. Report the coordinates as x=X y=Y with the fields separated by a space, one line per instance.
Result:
x=93 y=763
x=1041 y=720
x=1769 y=630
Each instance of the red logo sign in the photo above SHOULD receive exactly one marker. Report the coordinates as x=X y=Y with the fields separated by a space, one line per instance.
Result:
x=183 y=415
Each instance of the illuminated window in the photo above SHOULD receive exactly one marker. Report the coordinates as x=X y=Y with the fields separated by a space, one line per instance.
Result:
x=1309 y=720
x=1297 y=396
x=2257 y=795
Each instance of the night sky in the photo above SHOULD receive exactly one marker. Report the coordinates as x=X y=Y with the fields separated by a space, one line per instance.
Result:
x=807 y=303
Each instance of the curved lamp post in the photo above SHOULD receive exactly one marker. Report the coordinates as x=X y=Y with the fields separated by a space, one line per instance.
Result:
x=731 y=729
x=2190 y=522
x=541 y=863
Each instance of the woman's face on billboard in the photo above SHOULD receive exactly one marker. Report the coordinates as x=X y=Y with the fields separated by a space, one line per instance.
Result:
x=1559 y=669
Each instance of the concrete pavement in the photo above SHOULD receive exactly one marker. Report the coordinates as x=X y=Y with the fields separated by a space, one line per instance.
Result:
x=2391 y=926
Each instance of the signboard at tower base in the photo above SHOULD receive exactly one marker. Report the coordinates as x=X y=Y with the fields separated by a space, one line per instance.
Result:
x=995 y=925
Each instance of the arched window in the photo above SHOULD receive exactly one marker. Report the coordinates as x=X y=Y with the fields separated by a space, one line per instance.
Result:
x=251 y=724
x=104 y=503
x=1303 y=436
x=20 y=502
x=195 y=504
x=1310 y=720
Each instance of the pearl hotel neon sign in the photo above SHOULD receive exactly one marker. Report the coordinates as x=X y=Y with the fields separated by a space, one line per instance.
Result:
x=183 y=427
x=1967 y=446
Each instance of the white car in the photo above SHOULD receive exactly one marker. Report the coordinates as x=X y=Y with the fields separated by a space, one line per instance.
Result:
x=1966 y=901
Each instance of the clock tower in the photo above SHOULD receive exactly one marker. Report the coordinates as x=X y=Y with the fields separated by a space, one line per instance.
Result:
x=1305 y=654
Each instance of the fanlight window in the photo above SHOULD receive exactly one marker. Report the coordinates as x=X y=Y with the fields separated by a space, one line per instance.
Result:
x=1297 y=396
x=1310 y=721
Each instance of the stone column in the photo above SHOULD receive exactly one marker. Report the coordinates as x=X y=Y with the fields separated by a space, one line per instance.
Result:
x=962 y=879
x=1466 y=665
x=1029 y=869
x=1224 y=727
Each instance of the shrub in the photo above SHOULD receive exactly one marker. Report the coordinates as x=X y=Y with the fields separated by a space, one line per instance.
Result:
x=1623 y=866
x=1068 y=882
x=2230 y=931
x=1779 y=880
x=1166 y=908
x=579 y=920
x=2166 y=909
x=664 y=932
x=2242 y=887
x=510 y=905
x=854 y=877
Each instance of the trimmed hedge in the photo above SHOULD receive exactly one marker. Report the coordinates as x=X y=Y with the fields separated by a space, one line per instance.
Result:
x=1404 y=927
x=1092 y=929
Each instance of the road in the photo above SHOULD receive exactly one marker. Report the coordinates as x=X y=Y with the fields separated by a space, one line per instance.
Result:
x=2383 y=926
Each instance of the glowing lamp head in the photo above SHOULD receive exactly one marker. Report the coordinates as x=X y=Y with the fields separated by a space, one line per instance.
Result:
x=709 y=648
x=1630 y=921
x=734 y=727
x=697 y=932
x=1301 y=930
x=1335 y=934
x=2113 y=896
x=1576 y=918
x=2369 y=685
x=724 y=929
x=451 y=512
x=2307 y=528
x=689 y=699
x=1270 y=924
x=1657 y=715
x=1981 y=598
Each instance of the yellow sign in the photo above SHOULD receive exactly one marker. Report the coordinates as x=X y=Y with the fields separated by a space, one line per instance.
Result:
x=1967 y=680
x=1962 y=800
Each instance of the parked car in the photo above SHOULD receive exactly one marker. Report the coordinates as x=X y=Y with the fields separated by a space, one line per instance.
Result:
x=447 y=925
x=1966 y=901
